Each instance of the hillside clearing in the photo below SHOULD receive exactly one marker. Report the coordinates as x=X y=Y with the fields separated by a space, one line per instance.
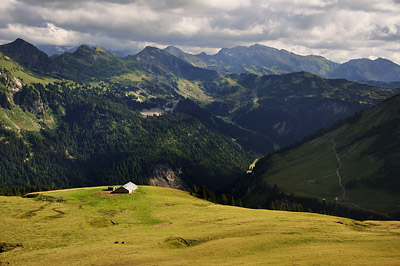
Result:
x=158 y=226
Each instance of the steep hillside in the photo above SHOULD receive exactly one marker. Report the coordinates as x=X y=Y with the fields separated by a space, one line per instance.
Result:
x=247 y=138
x=63 y=134
x=158 y=226
x=17 y=94
x=355 y=161
x=98 y=140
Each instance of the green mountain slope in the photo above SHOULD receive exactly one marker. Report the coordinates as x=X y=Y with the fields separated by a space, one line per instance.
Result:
x=355 y=161
x=63 y=134
x=99 y=141
x=249 y=139
x=16 y=88
x=158 y=226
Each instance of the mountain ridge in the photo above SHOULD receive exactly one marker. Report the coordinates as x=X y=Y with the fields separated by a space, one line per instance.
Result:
x=260 y=59
x=257 y=59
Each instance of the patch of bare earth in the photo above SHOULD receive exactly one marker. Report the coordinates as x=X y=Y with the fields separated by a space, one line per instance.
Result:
x=162 y=224
x=109 y=193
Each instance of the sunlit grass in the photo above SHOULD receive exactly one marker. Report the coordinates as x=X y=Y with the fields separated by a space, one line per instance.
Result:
x=168 y=227
x=24 y=74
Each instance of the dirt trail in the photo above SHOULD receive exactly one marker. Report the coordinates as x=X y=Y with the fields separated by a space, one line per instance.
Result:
x=340 y=165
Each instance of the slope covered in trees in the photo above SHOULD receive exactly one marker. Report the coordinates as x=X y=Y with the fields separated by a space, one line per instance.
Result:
x=88 y=134
x=352 y=164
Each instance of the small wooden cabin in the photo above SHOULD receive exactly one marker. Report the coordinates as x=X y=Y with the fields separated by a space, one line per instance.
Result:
x=128 y=188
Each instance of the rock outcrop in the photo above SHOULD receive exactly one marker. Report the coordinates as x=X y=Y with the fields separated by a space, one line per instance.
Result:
x=164 y=176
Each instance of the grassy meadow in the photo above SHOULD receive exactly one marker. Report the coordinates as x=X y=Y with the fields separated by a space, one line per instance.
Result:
x=162 y=226
x=24 y=74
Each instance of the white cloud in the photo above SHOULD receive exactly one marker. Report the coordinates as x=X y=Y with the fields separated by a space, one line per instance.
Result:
x=337 y=29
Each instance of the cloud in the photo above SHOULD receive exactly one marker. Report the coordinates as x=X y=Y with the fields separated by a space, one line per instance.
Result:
x=337 y=29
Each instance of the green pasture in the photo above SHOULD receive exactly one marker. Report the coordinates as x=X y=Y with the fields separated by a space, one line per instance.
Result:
x=22 y=73
x=162 y=226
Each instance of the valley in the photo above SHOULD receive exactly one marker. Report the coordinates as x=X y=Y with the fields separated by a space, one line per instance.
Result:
x=199 y=132
x=89 y=118
x=354 y=161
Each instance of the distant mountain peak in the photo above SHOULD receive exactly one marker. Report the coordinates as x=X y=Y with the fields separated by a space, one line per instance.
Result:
x=151 y=50
x=19 y=40
x=28 y=55
x=19 y=43
x=84 y=47
x=171 y=47
x=365 y=69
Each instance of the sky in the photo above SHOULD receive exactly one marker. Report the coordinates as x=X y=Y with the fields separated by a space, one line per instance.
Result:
x=339 y=30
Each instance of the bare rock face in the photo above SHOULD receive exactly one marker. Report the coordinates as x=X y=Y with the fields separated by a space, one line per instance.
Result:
x=38 y=107
x=12 y=86
x=163 y=176
x=15 y=86
x=29 y=99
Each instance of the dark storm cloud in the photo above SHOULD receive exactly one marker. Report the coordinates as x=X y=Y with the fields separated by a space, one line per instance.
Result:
x=337 y=29
x=23 y=14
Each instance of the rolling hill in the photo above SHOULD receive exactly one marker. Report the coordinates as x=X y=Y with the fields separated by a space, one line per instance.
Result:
x=162 y=226
x=354 y=162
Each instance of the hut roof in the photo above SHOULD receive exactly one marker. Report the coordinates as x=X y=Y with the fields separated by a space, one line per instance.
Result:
x=129 y=186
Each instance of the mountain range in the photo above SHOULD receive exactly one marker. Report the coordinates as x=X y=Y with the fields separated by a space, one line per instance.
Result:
x=257 y=59
x=82 y=118
x=264 y=60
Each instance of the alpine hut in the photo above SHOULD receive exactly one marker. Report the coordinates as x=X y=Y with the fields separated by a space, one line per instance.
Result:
x=126 y=189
